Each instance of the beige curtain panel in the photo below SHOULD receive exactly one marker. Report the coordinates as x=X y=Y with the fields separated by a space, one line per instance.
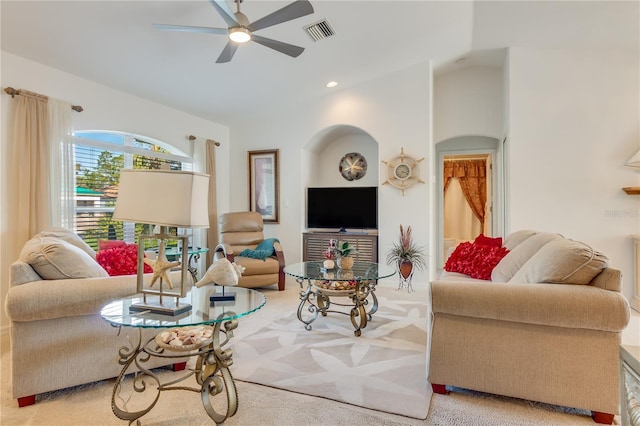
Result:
x=212 y=232
x=472 y=175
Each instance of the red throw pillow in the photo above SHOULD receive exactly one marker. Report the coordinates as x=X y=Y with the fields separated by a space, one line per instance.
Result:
x=475 y=260
x=121 y=260
x=107 y=244
x=488 y=241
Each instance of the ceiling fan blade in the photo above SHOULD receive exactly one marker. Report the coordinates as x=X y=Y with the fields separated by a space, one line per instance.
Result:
x=227 y=14
x=294 y=10
x=227 y=53
x=286 y=48
x=191 y=29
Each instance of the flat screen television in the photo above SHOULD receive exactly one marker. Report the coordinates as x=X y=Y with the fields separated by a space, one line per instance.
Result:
x=342 y=207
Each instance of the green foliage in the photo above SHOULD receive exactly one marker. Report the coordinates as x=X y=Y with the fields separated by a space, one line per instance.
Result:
x=105 y=174
x=344 y=249
x=406 y=249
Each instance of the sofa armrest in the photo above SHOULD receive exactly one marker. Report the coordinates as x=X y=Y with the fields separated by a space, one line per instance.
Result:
x=558 y=305
x=47 y=299
x=278 y=253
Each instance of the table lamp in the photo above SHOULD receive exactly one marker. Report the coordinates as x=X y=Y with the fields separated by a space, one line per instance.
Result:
x=167 y=198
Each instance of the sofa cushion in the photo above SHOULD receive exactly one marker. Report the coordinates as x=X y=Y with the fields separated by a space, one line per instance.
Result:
x=475 y=260
x=70 y=237
x=121 y=260
x=54 y=259
x=515 y=238
x=554 y=305
x=520 y=254
x=562 y=261
x=21 y=272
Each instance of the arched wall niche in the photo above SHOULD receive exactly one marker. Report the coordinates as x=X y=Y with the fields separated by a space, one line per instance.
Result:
x=322 y=155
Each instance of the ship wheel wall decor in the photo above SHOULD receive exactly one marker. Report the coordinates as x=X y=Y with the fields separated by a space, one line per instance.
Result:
x=403 y=171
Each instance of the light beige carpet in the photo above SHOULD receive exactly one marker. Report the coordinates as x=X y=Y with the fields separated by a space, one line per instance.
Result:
x=383 y=369
x=262 y=405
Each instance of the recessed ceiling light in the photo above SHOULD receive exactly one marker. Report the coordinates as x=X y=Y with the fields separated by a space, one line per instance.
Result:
x=332 y=84
x=461 y=61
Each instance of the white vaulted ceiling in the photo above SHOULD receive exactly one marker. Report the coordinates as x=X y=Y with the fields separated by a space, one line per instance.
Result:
x=114 y=43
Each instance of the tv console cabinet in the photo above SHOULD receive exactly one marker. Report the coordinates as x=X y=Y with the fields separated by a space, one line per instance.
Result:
x=314 y=244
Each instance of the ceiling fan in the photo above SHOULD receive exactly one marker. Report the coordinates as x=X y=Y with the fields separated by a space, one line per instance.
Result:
x=241 y=30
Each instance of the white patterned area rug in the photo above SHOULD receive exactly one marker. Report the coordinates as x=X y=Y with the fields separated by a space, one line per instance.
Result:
x=384 y=369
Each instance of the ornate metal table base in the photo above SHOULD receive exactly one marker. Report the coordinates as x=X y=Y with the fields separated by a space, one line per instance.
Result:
x=211 y=374
x=319 y=301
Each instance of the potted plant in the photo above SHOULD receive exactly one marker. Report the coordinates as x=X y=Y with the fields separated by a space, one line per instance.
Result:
x=343 y=251
x=405 y=254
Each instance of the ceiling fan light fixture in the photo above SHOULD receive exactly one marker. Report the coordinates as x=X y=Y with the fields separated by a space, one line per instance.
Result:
x=239 y=35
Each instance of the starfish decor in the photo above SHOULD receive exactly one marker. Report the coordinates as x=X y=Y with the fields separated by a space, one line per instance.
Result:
x=161 y=266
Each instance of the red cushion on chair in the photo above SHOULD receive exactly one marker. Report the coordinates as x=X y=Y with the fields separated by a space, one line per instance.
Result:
x=121 y=260
x=475 y=260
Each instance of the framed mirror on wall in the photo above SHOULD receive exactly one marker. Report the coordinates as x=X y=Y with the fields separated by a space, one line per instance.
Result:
x=264 y=184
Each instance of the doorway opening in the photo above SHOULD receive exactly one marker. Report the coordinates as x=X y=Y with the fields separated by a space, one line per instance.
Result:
x=469 y=191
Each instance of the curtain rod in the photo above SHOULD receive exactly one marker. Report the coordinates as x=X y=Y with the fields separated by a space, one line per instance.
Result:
x=462 y=157
x=193 y=138
x=13 y=92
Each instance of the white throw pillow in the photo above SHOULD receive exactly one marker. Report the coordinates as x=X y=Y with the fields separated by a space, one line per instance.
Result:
x=55 y=259
x=562 y=261
x=70 y=237
x=519 y=255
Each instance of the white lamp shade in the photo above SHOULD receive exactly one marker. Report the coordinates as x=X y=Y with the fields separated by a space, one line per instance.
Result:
x=163 y=197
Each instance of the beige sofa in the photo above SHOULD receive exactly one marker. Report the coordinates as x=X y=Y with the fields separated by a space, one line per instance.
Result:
x=58 y=338
x=546 y=328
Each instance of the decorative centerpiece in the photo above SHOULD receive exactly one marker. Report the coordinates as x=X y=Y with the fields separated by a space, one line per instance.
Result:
x=343 y=251
x=329 y=255
x=406 y=256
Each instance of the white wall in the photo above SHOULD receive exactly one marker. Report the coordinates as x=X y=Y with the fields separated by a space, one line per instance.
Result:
x=468 y=102
x=104 y=109
x=574 y=122
x=393 y=109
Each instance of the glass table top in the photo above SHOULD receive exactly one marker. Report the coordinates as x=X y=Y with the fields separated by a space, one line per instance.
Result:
x=360 y=270
x=203 y=311
x=175 y=251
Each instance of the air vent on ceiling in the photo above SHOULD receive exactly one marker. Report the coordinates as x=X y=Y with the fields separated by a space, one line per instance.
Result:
x=320 y=30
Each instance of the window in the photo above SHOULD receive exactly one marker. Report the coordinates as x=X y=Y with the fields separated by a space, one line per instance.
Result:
x=98 y=158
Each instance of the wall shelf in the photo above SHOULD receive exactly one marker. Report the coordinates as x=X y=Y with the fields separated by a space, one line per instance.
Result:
x=632 y=190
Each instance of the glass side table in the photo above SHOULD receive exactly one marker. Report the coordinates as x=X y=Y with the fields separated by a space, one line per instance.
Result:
x=357 y=283
x=212 y=324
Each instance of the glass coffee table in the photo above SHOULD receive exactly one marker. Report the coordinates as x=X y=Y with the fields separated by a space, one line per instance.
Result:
x=357 y=284
x=201 y=332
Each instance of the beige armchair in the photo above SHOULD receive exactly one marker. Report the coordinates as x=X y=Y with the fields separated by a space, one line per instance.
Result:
x=244 y=230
